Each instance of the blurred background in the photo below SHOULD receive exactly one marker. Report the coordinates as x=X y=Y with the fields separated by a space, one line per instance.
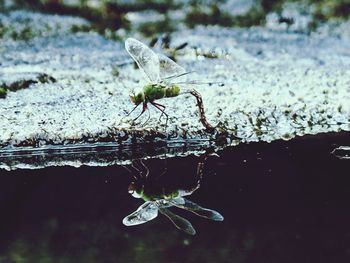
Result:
x=151 y=17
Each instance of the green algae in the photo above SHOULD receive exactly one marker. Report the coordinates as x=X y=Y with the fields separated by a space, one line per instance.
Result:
x=151 y=29
x=214 y=16
x=24 y=83
x=3 y=92
x=326 y=10
x=24 y=34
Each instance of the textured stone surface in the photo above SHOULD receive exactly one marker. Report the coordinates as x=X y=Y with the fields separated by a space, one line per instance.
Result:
x=276 y=85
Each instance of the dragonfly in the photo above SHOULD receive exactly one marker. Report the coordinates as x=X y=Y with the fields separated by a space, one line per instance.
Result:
x=159 y=199
x=161 y=73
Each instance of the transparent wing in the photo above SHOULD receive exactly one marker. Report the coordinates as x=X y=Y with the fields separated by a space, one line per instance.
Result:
x=178 y=221
x=143 y=214
x=177 y=201
x=145 y=58
x=169 y=69
x=200 y=211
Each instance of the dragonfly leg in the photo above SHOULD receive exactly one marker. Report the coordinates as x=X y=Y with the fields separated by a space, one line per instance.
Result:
x=149 y=116
x=144 y=108
x=129 y=170
x=132 y=110
x=146 y=168
x=137 y=169
x=165 y=170
x=140 y=168
x=162 y=109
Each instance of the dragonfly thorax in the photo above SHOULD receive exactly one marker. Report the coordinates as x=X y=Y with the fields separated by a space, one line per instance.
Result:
x=154 y=92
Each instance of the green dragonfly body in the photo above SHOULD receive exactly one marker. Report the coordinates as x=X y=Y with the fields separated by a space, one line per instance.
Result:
x=160 y=72
x=159 y=198
x=152 y=92
x=152 y=192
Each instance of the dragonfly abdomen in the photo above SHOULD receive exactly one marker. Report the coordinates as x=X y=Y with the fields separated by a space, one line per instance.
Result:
x=172 y=91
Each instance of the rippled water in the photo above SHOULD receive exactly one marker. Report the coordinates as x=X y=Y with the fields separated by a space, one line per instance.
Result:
x=281 y=202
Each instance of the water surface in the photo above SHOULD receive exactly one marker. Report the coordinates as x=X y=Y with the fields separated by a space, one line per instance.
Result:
x=282 y=202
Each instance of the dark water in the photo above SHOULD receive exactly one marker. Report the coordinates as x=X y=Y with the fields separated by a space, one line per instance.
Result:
x=282 y=202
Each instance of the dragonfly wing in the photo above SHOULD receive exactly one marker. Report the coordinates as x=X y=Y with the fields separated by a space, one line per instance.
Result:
x=146 y=212
x=177 y=201
x=200 y=211
x=169 y=69
x=178 y=221
x=145 y=58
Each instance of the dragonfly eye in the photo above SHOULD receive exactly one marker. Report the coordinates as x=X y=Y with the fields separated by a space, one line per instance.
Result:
x=137 y=98
x=131 y=188
x=133 y=99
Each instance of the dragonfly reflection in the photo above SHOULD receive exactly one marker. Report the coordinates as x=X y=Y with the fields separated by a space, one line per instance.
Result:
x=159 y=199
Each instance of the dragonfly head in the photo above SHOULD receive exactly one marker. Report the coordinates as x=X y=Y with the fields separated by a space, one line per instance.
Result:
x=137 y=98
x=134 y=190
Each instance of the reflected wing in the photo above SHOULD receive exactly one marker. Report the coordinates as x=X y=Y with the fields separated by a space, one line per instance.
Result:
x=200 y=211
x=145 y=58
x=143 y=214
x=177 y=201
x=169 y=69
x=178 y=221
